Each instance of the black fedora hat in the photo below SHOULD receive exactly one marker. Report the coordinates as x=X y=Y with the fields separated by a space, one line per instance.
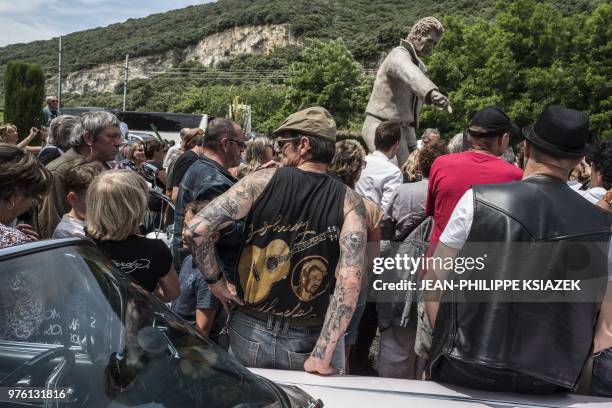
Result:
x=560 y=132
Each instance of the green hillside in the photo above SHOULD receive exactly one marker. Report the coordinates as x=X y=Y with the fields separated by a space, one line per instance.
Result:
x=520 y=54
x=367 y=26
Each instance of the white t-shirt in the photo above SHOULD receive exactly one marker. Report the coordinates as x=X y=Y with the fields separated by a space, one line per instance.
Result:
x=379 y=179
x=593 y=194
x=171 y=155
x=460 y=223
x=69 y=227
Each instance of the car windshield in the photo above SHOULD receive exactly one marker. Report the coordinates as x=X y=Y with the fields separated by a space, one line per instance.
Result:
x=128 y=347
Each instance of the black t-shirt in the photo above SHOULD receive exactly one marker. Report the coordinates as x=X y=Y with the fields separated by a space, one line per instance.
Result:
x=155 y=203
x=181 y=166
x=145 y=260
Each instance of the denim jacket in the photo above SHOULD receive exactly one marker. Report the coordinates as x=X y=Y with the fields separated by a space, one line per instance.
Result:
x=406 y=231
x=205 y=180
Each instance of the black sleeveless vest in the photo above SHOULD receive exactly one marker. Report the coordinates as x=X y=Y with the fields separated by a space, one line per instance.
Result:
x=289 y=257
x=546 y=340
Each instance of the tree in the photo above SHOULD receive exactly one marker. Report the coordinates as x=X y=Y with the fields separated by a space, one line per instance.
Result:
x=598 y=70
x=327 y=75
x=266 y=102
x=529 y=57
x=525 y=55
x=24 y=93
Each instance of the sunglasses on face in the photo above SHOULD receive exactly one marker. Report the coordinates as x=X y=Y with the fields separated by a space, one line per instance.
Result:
x=280 y=143
x=238 y=142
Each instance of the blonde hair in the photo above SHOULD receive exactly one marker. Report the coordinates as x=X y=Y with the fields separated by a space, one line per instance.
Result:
x=4 y=129
x=410 y=169
x=116 y=203
x=255 y=153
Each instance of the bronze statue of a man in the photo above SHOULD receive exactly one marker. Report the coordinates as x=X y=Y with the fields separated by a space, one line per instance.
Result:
x=401 y=86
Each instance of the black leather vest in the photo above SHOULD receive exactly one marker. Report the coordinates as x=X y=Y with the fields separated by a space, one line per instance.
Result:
x=547 y=340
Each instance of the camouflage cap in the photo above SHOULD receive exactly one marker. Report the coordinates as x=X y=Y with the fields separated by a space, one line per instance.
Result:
x=315 y=121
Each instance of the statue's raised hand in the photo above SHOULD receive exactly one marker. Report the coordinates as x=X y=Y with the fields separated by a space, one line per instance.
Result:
x=438 y=100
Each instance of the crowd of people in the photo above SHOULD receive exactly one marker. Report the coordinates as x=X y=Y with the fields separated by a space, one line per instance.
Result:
x=274 y=237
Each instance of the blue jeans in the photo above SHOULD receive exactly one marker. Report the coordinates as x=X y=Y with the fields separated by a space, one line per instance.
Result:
x=276 y=343
x=601 y=383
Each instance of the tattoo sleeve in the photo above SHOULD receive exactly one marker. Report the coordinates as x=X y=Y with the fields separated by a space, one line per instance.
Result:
x=226 y=209
x=351 y=266
x=437 y=273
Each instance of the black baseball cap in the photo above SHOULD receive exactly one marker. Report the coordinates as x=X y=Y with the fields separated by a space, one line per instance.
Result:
x=494 y=121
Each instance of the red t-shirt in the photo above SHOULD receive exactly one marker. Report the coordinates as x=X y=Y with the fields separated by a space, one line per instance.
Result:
x=452 y=175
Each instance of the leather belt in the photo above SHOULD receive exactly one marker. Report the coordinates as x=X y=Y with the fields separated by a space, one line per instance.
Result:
x=293 y=321
x=411 y=124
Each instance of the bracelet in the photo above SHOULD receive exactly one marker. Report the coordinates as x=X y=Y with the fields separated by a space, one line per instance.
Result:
x=211 y=280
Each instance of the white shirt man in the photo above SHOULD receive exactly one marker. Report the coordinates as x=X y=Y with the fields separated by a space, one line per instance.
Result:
x=379 y=179
x=381 y=176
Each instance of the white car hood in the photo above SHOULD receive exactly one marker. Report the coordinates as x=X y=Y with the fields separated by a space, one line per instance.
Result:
x=354 y=391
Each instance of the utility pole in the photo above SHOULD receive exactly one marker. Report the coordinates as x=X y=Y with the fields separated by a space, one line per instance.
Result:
x=125 y=81
x=59 y=76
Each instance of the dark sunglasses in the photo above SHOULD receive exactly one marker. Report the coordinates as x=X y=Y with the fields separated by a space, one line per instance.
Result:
x=238 y=142
x=280 y=143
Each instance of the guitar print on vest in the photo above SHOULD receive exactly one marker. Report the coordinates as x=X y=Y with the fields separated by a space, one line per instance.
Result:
x=260 y=268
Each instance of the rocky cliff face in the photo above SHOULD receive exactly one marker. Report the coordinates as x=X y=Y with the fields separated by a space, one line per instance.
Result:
x=240 y=40
x=104 y=78
x=210 y=51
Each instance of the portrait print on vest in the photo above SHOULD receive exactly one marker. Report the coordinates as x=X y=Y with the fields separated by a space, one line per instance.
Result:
x=289 y=257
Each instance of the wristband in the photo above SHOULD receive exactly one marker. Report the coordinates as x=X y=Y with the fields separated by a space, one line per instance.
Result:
x=211 y=280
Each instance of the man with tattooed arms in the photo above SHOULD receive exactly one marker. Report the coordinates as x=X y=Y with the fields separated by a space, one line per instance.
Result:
x=302 y=261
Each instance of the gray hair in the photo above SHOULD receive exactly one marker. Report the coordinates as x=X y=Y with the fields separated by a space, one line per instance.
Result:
x=423 y=26
x=48 y=98
x=509 y=155
x=60 y=129
x=456 y=144
x=430 y=130
x=92 y=122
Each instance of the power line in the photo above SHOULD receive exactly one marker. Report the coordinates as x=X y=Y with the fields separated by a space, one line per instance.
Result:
x=165 y=71
x=186 y=74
